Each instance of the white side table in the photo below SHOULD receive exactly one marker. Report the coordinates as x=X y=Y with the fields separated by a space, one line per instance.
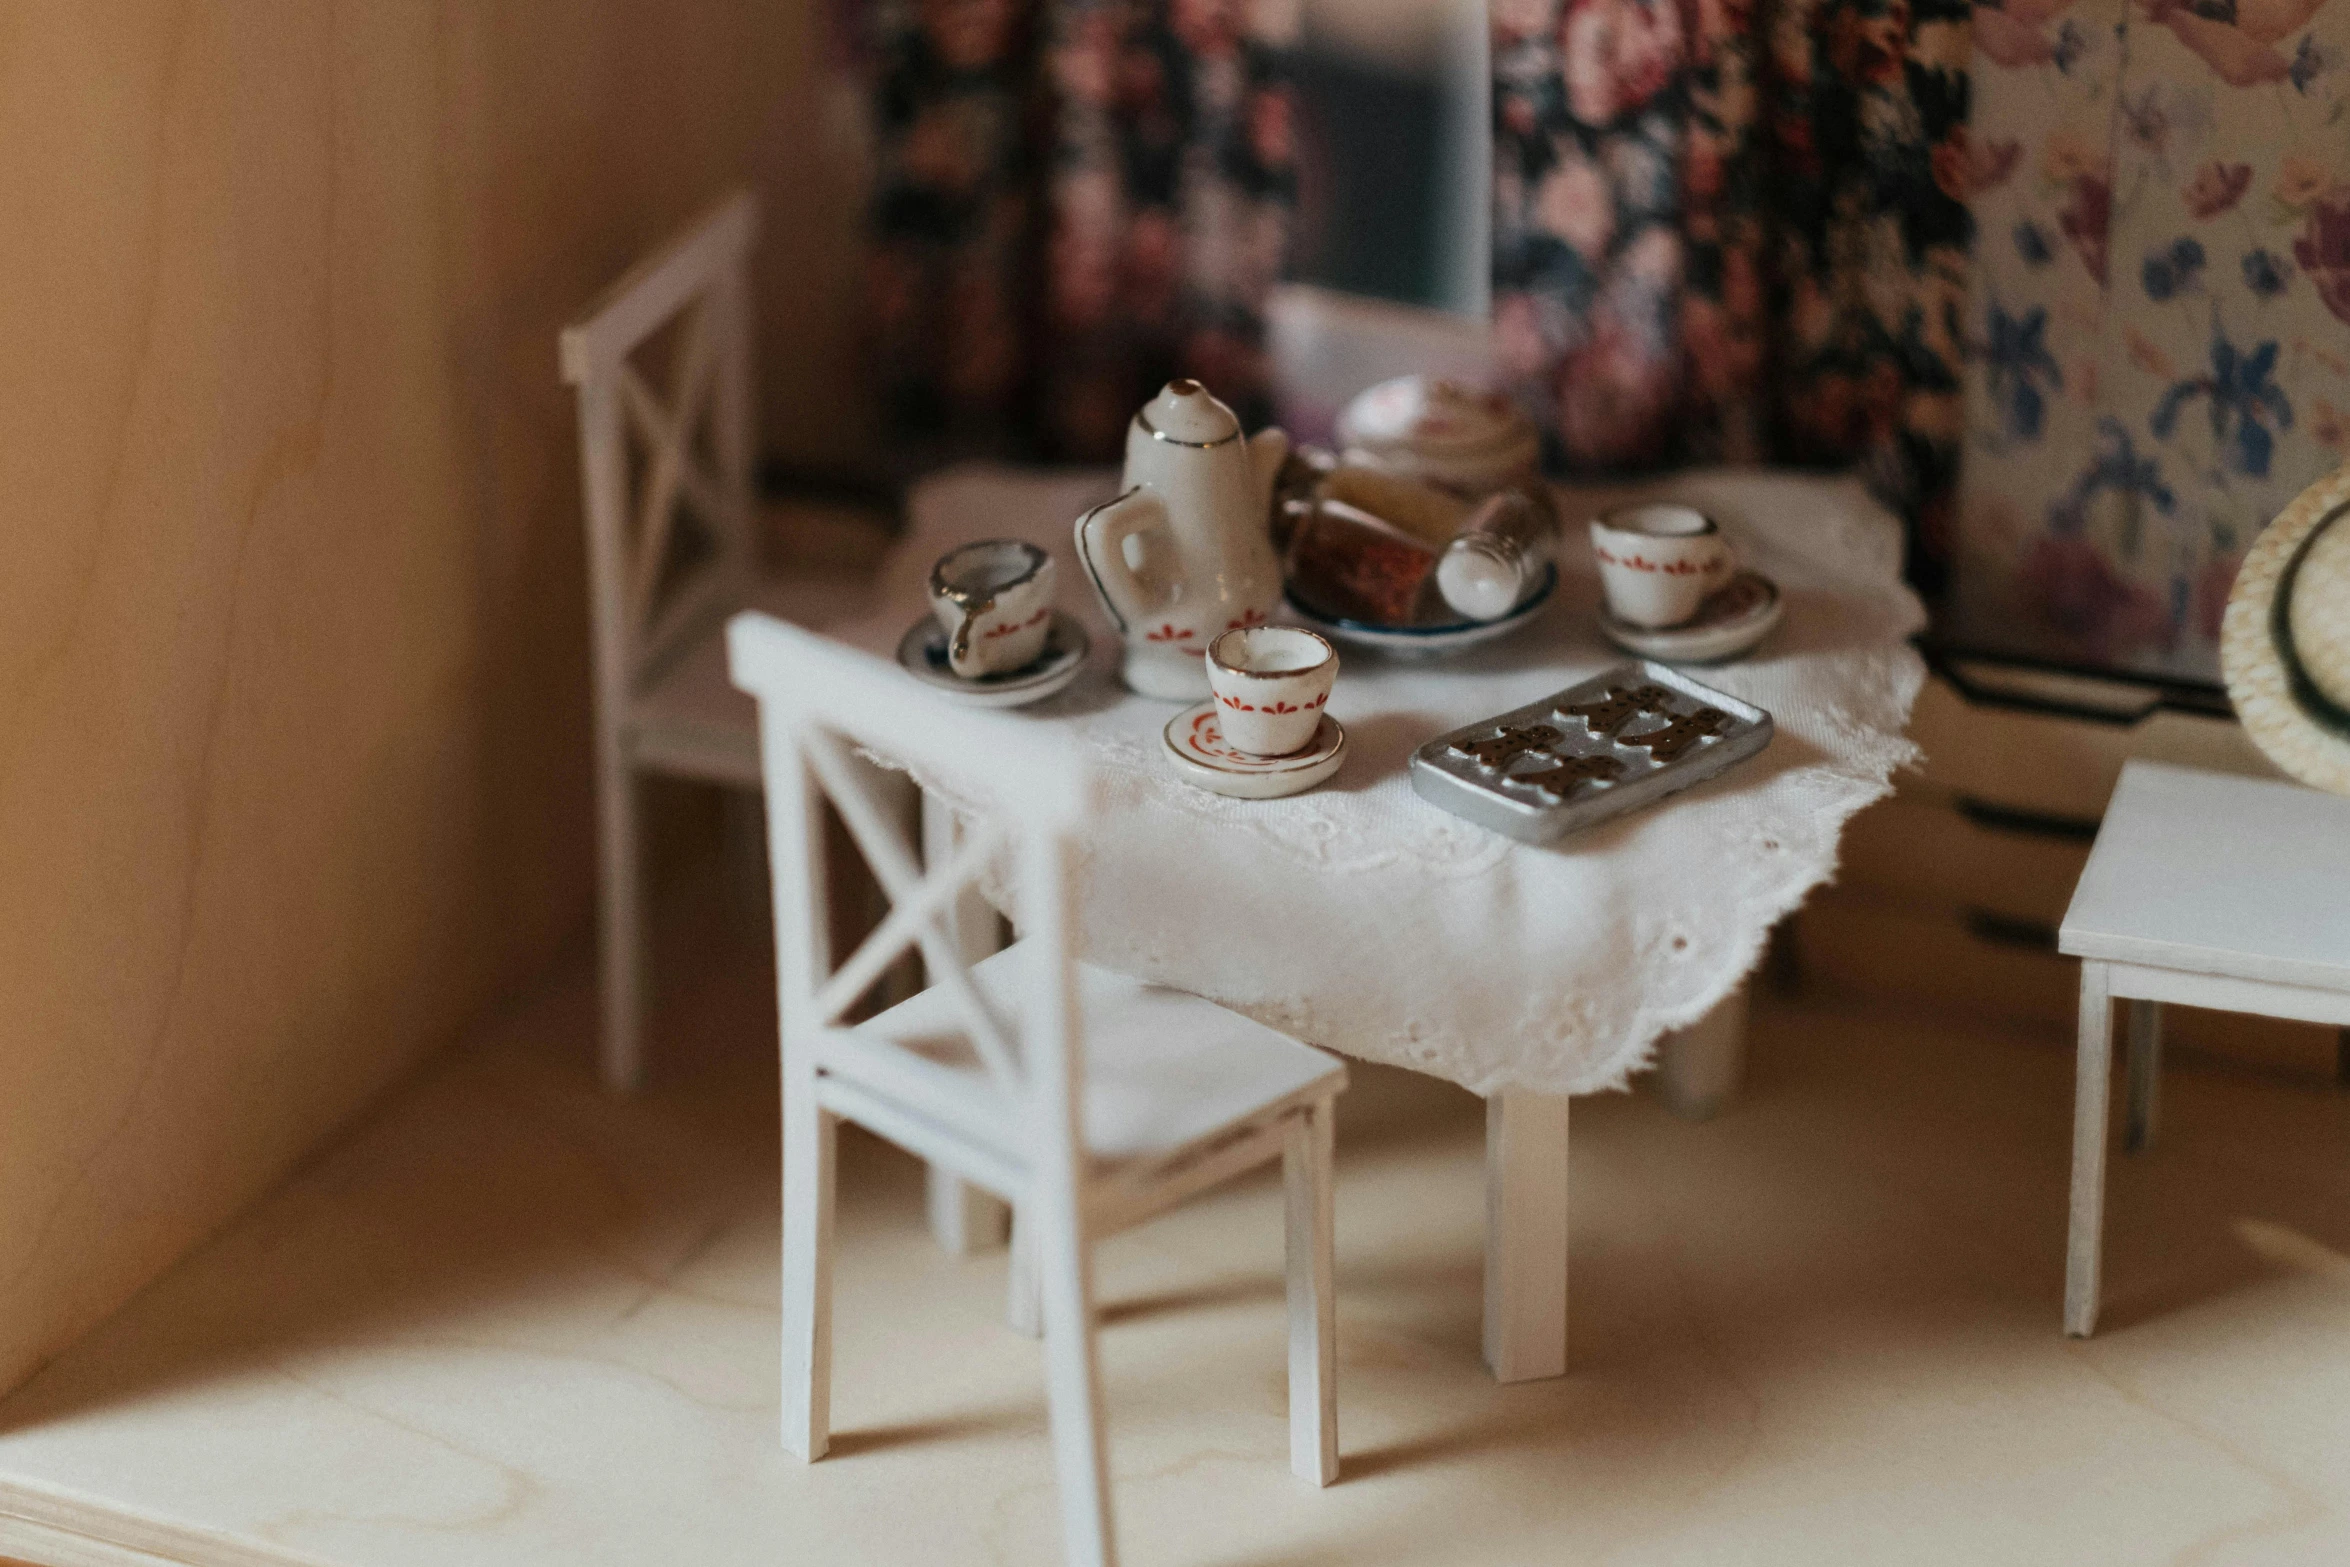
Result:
x=2212 y=891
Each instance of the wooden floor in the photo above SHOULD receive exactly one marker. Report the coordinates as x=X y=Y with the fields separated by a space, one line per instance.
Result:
x=509 y=1321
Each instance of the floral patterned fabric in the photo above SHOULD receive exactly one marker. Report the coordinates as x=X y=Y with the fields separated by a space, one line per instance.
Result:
x=1719 y=241
x=1722 y=232
x=2162 y=314
x=1076 y=200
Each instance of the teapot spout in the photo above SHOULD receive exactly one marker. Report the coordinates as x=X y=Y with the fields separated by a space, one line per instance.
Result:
x=1268 y=449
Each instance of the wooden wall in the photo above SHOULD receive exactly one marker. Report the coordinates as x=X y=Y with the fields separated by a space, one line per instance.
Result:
x=293 y=700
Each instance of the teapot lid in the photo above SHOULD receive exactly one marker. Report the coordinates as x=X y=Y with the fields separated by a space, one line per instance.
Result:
x=1188 y=414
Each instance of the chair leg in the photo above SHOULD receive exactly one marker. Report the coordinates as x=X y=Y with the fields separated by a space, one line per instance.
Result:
x=1064 y=1268
x=1023 y=1308
x=2145 y=1074
x=809 y=1140
x=1313 y=1294
x=2091 y=1083
x=963 y=1218
x=620 y=926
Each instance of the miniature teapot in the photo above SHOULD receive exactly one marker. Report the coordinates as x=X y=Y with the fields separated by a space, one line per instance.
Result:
x=1185 y=554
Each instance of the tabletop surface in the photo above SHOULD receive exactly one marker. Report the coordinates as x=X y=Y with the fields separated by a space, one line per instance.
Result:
x=1362 y=918
x=2218 y=874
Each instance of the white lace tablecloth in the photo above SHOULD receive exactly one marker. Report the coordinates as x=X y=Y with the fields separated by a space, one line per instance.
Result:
x=1362 y=918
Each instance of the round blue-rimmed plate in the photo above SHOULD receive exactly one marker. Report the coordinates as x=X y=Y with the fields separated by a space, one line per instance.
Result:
x=1434 y=641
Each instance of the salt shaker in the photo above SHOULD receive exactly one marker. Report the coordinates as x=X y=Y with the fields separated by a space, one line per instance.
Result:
x=1498 y=558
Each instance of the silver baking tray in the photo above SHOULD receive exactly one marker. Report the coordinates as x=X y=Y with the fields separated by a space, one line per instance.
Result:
x=1611 y=744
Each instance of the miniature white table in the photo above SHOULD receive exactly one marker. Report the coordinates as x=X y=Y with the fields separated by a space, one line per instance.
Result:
x=2211 y=891
x=1362 y=918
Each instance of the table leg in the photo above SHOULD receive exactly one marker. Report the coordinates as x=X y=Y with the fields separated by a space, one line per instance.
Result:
x=2145 y=1074
x=2092 y=1079
x=963 y=1219
x=1526 y=1235
x=1699 y=1068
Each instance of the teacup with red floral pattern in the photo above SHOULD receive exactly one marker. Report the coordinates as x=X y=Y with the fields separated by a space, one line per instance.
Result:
x=1657 y=562
x=1270 y=684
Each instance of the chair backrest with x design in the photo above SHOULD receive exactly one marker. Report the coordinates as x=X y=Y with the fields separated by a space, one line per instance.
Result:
x=667 y=473
x=1027 y=793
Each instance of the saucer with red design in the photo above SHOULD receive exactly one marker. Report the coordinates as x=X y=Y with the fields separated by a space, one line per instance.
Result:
x=1195 y=747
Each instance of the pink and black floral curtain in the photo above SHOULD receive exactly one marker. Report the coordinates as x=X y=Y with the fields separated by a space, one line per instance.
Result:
x=1076 y=200
x=1719 y=233
x=1725 y=232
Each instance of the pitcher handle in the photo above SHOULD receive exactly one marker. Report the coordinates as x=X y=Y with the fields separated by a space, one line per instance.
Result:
x=1101 y=544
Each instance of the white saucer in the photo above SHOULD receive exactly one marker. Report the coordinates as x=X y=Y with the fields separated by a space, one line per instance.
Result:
x=1728 y=624
x=922 y=652
x=1426 y=641
x=1195 y=748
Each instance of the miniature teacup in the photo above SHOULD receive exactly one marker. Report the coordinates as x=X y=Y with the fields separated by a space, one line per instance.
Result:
x=995 y=599
x=1657 y=562
x=1271 y=683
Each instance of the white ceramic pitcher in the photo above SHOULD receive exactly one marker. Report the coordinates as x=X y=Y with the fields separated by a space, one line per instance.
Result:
x=1186 y=553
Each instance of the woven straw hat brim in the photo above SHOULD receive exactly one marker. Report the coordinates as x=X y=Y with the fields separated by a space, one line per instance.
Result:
x=2284 y=645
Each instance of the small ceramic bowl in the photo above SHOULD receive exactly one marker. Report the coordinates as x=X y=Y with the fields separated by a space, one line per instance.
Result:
x=1271 y=684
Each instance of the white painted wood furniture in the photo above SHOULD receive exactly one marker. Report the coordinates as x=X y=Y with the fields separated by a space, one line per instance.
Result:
x=671 y=553
x=2208 y=890
x=666 y=475
x=1088 y=1100
x=1532 y=982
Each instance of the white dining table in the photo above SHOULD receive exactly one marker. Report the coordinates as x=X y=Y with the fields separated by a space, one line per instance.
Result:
x=1361 y=918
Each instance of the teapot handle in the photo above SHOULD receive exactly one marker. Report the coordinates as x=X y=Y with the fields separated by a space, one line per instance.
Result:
x=1101 y=544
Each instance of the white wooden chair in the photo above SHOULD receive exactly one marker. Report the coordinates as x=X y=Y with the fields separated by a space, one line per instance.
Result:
x=671 y=553
x=666 y=474
x=1088 y=1100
